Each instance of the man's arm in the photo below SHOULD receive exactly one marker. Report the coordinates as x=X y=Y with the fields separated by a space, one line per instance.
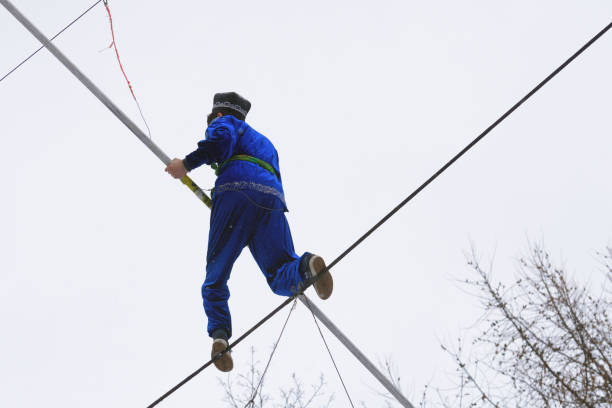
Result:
x=216 y=148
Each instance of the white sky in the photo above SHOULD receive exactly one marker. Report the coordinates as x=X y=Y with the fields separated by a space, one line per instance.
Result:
x=102 y=254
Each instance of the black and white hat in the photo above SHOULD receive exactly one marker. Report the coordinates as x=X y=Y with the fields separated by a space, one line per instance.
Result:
x=231 y=101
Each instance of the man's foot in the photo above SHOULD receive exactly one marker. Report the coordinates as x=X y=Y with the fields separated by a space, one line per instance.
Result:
x=325 y=284
x=225 y=362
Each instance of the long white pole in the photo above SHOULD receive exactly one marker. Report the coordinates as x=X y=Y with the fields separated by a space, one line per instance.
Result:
x=187 y=181
x=356 y=352
x=101 y=96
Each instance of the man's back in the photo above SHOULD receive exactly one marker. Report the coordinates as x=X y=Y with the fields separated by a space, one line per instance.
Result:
x=248 y=160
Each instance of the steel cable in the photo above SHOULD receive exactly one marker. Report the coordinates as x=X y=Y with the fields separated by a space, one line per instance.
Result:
x=400 y=205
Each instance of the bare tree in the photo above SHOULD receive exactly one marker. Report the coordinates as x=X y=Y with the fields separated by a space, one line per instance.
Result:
x=608 y=263
x=242 y=391
x=547 y=341
x=390 y=369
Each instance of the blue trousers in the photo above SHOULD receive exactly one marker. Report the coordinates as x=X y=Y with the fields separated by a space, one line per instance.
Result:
x=237 y=220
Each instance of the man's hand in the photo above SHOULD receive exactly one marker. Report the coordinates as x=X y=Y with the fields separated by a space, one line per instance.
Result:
x=176 y=168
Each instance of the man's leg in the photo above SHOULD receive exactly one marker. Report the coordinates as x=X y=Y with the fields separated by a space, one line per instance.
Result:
x=231 y=224
x=272 y=248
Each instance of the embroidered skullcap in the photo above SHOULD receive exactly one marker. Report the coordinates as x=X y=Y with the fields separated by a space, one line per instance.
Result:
x=233 y=102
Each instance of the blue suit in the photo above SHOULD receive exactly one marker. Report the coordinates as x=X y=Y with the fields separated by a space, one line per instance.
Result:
x=248 y=210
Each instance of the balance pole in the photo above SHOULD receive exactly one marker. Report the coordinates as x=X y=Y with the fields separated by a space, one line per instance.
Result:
x=193 y=187
x=102 y=97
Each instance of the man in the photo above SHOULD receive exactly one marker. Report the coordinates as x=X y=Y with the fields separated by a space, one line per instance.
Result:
x=248 y=210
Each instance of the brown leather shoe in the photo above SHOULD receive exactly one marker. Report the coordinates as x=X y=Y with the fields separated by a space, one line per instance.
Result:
x=225 y=362
x=325 y=284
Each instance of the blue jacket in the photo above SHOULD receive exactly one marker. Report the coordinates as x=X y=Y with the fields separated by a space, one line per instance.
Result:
x=226 y=137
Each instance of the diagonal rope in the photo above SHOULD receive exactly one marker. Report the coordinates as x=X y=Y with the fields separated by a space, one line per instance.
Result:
x=398 y=207
x=329 y=352
x=471 y=144
x=252 y=400
x=51 y=39
x=229 y=348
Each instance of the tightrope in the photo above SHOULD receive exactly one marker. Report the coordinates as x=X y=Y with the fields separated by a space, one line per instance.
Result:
x=399 y=206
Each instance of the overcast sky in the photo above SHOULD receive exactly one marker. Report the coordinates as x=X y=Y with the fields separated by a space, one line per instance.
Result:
x=102 y=253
